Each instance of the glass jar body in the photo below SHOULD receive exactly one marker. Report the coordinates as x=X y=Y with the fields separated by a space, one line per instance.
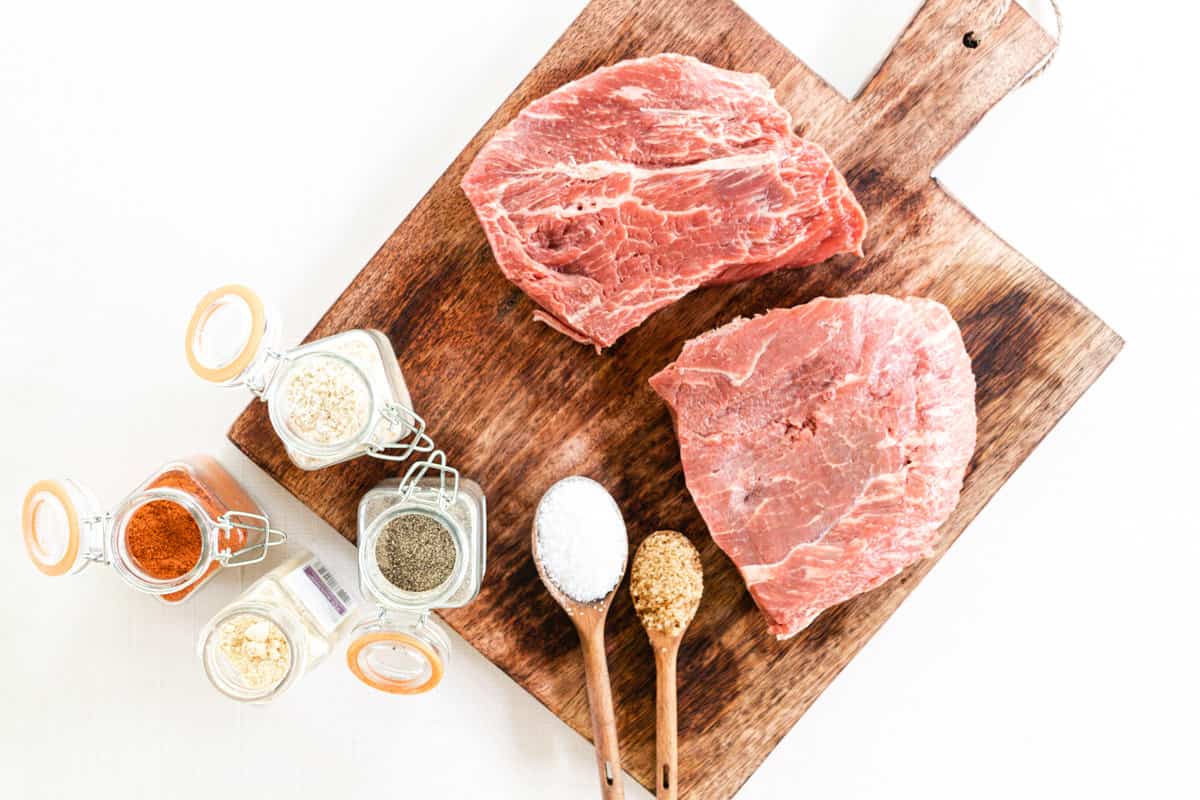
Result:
x=372 y=356
x=214 y=493
x=403 y=650
x=309 y=606
x=467 y=512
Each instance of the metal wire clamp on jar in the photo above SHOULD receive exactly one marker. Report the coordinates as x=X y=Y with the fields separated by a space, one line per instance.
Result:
x=306 y=604
x=403 y=650
x=233 y=340
x=65 y=527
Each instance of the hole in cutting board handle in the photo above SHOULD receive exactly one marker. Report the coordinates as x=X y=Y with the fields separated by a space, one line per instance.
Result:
x=608 y=773
x=666 y=777
x=970 y=41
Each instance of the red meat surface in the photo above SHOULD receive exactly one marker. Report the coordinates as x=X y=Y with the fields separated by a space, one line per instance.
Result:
x=824 y=444
x=619 y=193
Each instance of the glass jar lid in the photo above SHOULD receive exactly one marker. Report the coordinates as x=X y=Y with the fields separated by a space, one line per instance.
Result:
x=399 y=655
x=226 y=334
x=56 y=519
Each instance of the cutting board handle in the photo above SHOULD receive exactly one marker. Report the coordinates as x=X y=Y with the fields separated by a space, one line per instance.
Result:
x=934 y=86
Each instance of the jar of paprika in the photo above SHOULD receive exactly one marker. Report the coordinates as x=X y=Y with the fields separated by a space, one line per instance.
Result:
x=329 y=400
x=166 y=538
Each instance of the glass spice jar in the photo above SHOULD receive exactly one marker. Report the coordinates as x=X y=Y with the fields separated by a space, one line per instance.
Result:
x=303 y=601
x=167 y=538
x=402 y=649
x=329 y=400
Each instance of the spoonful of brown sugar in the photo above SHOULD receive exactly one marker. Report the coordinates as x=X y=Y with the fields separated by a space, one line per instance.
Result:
x=666 y=583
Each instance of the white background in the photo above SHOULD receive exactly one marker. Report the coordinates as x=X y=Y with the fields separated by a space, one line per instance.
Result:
x=150 y=151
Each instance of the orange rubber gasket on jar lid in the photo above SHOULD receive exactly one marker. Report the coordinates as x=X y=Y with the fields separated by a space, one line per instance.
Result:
x=28 y=527
x=395 y=687
x=258 y=328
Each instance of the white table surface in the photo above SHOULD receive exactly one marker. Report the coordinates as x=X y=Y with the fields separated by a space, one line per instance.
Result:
x=150 y=151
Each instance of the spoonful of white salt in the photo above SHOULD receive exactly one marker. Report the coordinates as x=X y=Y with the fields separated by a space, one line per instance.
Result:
x=581 y=540
x=580 y=549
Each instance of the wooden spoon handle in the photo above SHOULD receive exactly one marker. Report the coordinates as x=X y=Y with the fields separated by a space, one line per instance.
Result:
x=604 y=720
x=667 y=736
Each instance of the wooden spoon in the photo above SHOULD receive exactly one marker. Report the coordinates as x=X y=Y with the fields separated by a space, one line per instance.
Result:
x=666 y=653
x=589 y=621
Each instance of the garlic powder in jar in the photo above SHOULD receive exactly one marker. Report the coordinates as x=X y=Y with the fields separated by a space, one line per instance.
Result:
x=277 y=631
x=256 y=648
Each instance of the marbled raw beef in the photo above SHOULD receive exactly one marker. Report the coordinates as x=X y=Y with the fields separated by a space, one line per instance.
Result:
x=619 y=193
x=824 y=444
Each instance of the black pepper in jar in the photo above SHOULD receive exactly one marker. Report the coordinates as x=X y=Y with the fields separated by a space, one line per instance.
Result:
x=415 y=552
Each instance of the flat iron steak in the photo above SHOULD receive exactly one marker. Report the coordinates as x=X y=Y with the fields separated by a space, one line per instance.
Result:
x=824 y=444
x=619 y=193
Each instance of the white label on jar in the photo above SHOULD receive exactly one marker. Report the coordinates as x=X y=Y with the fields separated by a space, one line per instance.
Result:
x=322 y=596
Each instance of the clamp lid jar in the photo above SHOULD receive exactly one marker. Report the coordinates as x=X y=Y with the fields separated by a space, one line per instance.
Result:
x=166 y=538
x=329 y=400
x=422 y=546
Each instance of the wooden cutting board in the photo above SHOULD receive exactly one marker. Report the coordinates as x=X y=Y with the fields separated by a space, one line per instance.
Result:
x=517 y=406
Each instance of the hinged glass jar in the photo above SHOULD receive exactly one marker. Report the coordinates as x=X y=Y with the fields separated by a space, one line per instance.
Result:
x=167 y=538
x=329 y=401
x=404 y=526
x=277 y=631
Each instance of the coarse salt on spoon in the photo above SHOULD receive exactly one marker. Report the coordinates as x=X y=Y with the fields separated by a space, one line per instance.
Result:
x=666 y=583
x=580 y=549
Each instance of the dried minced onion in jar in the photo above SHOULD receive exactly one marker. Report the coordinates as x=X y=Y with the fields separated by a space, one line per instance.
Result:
x=329 y=400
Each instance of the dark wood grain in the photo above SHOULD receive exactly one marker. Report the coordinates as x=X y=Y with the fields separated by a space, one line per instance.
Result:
x=517 y=406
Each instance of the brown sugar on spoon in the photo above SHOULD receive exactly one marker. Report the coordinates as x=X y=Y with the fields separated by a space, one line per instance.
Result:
x=666 y=582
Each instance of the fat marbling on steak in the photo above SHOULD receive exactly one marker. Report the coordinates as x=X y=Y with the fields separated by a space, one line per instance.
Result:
x=824 y=444
x=619 y=193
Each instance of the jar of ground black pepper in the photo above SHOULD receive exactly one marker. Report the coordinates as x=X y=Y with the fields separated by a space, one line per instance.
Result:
x=167 y=538
x=277 y=631
x=422 y=545
x=329 y=400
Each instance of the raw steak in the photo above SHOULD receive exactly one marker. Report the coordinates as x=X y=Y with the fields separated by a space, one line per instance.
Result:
x=619 y=193
x=824 y=444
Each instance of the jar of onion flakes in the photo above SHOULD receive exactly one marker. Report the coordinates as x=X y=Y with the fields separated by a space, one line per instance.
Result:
x=329 y=400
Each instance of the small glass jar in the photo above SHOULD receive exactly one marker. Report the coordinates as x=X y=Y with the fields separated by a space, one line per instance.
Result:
x=65 y=526
x=309 y=607
x=329 y=400
x=402 y=649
